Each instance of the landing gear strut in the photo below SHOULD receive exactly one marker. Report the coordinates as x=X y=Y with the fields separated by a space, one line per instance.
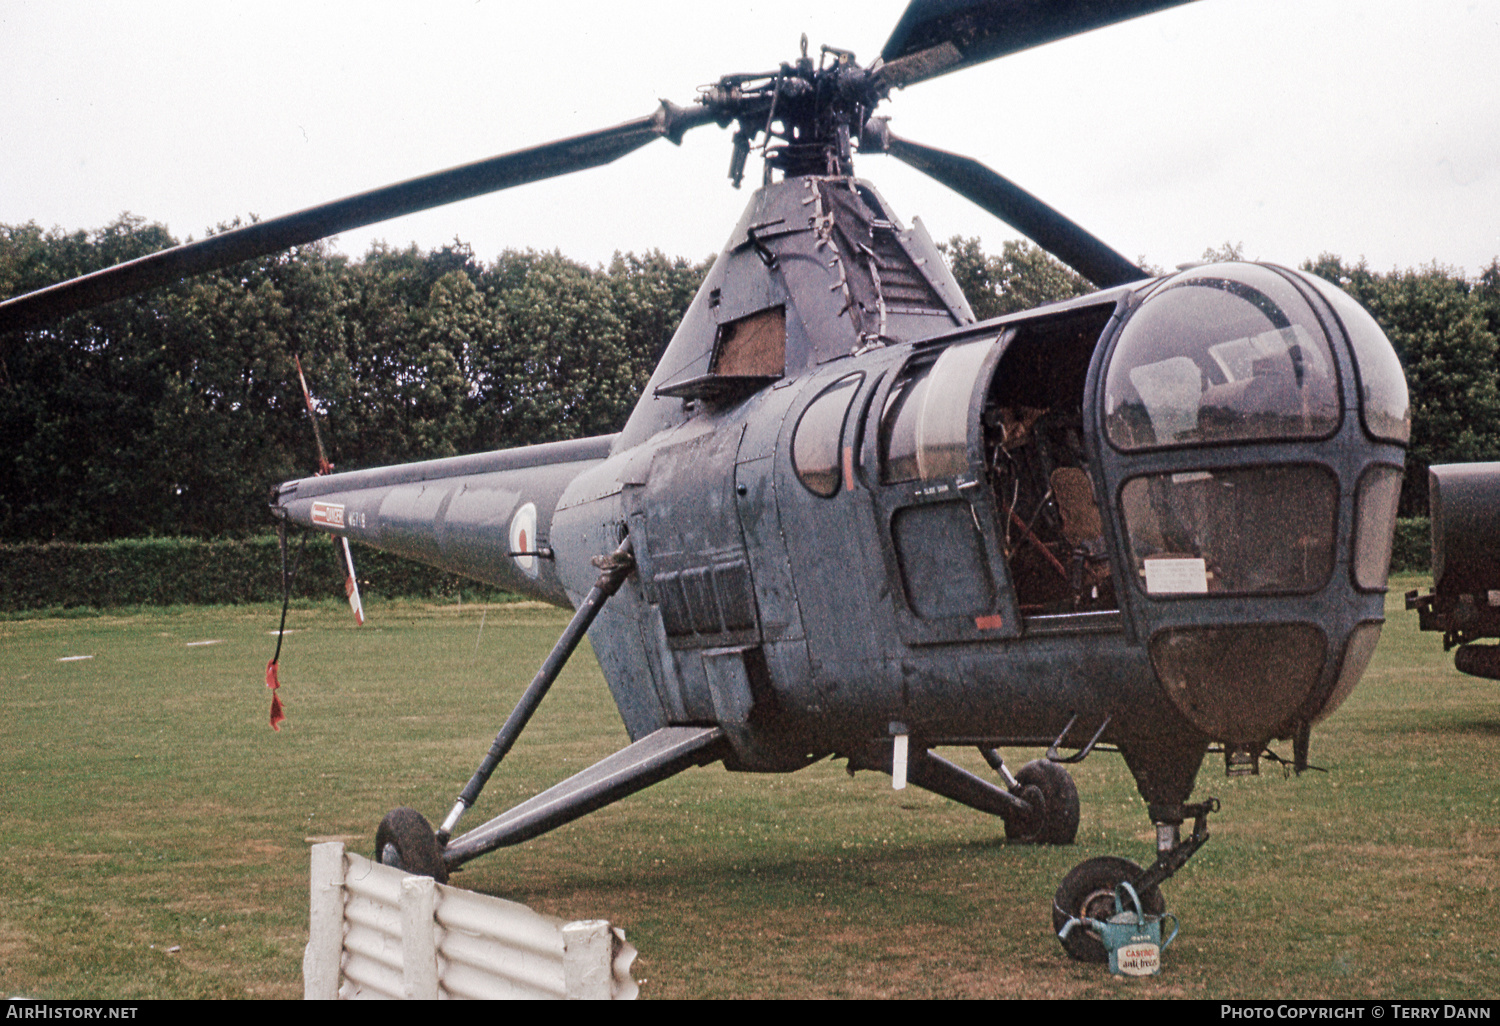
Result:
x=407 y=840
x=1039 y=806
x=1088 y=891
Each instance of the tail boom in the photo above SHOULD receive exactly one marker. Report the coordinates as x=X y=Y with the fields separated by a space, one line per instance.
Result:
x=487 y=516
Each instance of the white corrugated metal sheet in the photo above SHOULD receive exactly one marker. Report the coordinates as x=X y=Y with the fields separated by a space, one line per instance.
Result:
x=480 y=947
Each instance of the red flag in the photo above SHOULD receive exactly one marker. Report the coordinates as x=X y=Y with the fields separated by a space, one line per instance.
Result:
x=277 y=716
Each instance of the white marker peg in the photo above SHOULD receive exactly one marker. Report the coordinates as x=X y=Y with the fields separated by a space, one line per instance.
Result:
x=898 y=763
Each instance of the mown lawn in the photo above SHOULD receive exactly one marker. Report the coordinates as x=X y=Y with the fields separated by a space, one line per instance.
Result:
x=155 y=831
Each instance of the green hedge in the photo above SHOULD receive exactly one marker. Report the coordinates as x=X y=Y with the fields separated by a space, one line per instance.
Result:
x=182 y=571
x=1412 y=551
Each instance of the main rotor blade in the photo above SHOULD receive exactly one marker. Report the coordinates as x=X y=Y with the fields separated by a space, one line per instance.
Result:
x=264 y=237
x=935 y=37
x=1064 y=239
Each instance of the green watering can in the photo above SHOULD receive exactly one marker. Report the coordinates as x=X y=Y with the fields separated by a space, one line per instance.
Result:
x=1132 y=938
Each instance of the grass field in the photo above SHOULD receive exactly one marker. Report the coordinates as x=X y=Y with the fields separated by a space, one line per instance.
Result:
x=154 y=834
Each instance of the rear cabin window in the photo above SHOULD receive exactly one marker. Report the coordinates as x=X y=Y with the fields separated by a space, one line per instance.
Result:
x=815 y=444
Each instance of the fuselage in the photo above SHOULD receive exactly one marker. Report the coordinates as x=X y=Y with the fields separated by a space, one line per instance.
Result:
x=1164 y=509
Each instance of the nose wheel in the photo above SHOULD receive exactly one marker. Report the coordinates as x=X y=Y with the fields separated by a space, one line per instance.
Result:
x=405 y=840
x=1088 y=891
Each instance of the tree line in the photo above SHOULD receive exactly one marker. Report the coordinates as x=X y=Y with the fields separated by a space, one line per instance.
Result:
x=173 y=412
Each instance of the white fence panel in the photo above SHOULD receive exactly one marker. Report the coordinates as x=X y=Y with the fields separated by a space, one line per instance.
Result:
x=376 y=932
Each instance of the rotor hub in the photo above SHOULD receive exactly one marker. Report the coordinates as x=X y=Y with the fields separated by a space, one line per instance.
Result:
x=802 y=116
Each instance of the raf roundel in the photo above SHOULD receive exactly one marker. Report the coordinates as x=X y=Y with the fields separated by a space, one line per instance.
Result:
x=523 y=538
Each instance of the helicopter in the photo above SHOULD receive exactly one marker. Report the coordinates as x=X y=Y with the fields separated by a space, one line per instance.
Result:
x=847 y=520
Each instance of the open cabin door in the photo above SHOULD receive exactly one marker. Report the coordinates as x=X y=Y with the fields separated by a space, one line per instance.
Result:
x=924 y=461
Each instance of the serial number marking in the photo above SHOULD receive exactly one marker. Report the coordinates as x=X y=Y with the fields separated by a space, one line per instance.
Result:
x=332 y=514
x=329 y=514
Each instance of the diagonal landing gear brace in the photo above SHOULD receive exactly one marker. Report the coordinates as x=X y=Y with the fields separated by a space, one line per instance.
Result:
x=1039 y=805
x=405 y=838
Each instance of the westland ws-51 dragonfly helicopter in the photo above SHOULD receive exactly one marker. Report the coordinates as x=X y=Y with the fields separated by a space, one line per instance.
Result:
x=847 y=521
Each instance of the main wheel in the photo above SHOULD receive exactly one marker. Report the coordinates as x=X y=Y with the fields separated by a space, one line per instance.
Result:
x=1478 y=660
x=405 y=840
x=1089 y=890
x=1058 y=822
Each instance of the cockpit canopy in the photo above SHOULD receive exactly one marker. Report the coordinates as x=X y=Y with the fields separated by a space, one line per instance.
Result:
x=1234 y=430
x=1210 y=358
x=1236 y=353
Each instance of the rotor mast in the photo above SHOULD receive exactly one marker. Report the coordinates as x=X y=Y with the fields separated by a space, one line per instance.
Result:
x=806 y=115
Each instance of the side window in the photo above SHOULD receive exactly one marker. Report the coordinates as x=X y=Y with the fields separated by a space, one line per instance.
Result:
x=898 y=428
x=924 y=428
x=815 y=442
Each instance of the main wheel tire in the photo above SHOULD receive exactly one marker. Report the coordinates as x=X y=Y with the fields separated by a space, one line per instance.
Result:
x=1089 y=890
x=405 y=840
x=1478 y=661
x=1058 y=822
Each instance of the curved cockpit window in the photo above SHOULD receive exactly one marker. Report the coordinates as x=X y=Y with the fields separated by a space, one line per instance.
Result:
x=815 y=445
x=924 y=428
x=1382 y=384
x=1242 y=531
x=1221 y=353
x=1375 y=525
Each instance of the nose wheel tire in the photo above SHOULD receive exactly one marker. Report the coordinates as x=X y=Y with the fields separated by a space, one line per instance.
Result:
x=405 y=840
x=1089 y=891
x=1058 y=821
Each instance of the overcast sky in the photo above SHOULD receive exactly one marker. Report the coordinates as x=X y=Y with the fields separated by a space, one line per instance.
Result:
x=1366 y=128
